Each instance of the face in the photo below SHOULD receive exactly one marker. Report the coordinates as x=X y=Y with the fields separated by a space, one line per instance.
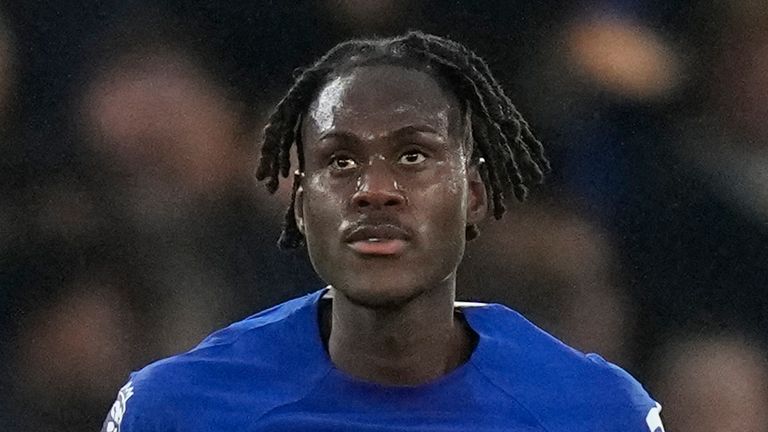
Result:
x=388 y=188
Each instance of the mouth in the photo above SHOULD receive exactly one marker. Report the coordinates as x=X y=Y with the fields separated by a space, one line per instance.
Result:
x=376 y=246
x=381 y=240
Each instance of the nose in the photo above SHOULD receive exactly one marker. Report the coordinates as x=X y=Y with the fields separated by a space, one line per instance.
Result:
x=377 y=189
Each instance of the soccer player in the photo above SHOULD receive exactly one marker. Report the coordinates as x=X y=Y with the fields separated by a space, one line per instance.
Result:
x=403 y=144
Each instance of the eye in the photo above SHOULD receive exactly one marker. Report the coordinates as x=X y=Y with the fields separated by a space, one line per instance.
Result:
x=342 y=163
x=412 y=157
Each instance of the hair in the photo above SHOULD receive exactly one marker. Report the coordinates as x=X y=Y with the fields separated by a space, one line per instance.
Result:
x=508 y=155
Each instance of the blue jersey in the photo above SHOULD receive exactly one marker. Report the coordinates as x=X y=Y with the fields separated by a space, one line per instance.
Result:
x=270 y=372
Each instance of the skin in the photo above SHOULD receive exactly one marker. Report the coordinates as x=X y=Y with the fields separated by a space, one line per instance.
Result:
x=385 y=146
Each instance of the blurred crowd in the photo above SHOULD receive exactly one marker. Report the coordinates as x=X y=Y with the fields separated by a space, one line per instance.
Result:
x=131 y=225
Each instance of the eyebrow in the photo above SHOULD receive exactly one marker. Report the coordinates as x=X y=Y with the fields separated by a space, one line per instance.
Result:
x=403 y=131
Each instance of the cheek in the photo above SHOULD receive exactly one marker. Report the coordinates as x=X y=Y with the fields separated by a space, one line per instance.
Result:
x=454 y=176
x=445 y=204
x=322 y=207
x=452 y=187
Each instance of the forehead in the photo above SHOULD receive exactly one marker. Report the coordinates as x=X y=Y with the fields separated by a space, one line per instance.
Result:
x=375 y=100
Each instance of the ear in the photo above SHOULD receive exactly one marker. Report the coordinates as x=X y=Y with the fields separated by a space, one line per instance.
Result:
x=298 y=203
x=477 y=196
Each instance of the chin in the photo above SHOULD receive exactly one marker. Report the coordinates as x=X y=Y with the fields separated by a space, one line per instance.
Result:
x=378 y=295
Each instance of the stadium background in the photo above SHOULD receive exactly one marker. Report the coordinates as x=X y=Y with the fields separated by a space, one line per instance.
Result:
x=131 y=227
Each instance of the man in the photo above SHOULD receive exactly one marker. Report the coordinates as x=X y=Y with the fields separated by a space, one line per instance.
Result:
x=402 y=145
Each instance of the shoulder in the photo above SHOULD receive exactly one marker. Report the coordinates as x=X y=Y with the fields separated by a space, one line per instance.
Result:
x=563 y=387
x=264 y=323
x=255 y=361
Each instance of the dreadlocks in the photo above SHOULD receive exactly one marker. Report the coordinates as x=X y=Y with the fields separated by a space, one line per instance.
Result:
x=513 y=157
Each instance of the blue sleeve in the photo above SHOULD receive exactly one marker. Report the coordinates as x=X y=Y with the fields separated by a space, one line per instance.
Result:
x=641 y=413
x=131 y=411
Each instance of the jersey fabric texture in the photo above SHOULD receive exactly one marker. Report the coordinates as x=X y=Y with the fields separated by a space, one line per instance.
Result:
x=270 y=372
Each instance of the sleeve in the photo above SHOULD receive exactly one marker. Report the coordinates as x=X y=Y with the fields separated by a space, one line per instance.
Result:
x=653 y=419
x=127 y=413
x=640 y=412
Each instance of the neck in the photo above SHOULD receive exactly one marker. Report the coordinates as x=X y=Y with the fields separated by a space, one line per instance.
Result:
x=411 y=344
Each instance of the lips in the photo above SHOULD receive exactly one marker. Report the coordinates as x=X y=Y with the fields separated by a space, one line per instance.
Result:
x=380 y=239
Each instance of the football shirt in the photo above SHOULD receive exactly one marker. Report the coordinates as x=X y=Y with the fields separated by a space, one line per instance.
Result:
x=270 y=372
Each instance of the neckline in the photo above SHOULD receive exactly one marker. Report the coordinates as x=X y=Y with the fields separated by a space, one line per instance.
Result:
x=466 y=309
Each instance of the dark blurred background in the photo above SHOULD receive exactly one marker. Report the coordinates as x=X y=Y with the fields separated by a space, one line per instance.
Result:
x=131 y=225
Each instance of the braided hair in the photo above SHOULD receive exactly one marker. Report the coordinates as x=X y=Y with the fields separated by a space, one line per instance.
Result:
x=509 y=156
